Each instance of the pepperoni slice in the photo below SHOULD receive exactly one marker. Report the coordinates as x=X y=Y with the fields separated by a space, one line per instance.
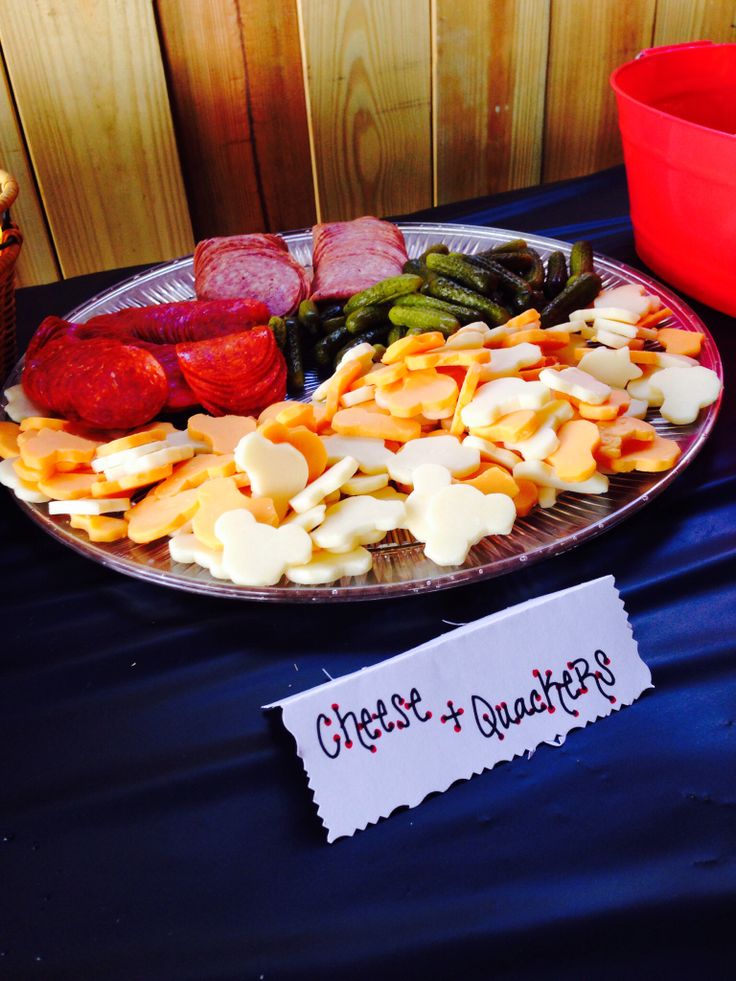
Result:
x=114 y=386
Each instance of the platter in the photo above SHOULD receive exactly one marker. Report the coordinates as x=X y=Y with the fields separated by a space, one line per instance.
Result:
x=400 y=567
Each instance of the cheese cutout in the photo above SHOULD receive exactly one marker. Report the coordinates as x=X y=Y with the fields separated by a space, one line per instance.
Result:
x=47 y=447
x=510 y=428
x=459 y=516
x=445 y=450
x=100 y=527
x=547 y=497
x=494 y=480
x=627 y=331
x=613 y=368
x=642 y=389
x=193 y=472
x=573 y=459
x=187 y=549
x=361 y=421
x=611 y=339
x=627 y=297
x=492 y=453
x=90 y=506
x=330 y=481
x=419 y=393
x=362 y=353
x=275 y=470
x=366 y=484
x=258 y=555
x=308 y=520
x=372 y=454
x=676 y=341
x=526 y=498
x=579 y=384
x=652 y=456
x=156 y=517
x=114 y=465
x=463 y=340
x=9 y=440
x=507 y=361
x=429 y=478
x=685 y=391
x=217 y=496
x=167 y=456
x=67 y=486
x=357 y=396
x=327 y=567
x=358 y=521
x=502 y=396
x=297 y=414
x=24 y=490
x=467 y=391
x=18 y=406
x=303 y=439
x=221 y=434
x=180 y=437
x=155 y=433
x=637 y=408
x=618 y=402
x=619 y=314
x=616 y=435
x=543 y=475
x=43 y=422
x=109 y=488
x=545 y=440
x=412 y=344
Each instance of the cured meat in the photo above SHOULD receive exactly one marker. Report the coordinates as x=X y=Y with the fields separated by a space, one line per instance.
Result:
x=238 y=374
x=257 y=266
x=350 y=256
x=183 y=320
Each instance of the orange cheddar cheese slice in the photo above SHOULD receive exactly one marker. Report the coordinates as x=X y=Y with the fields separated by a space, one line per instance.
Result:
x=47 y=447
x=192 y=473
x=123 y=485
x=156 y=517
x=9 y=440
x=617 y=436
x=412 y=344
x=100 y=527
x=511 y=428
x=150 y=434
x=548 y=340
x=419 y=393
x=494 y=480
x=43 y=422
x=68 y=486
x=677 y=341
x=221 y=433
x=360 y=421
x=467 y=391
x=573 y=460
x=527 y=497
x=214 y=498
x=653 y=456
x=340 y=382
x=297 y=414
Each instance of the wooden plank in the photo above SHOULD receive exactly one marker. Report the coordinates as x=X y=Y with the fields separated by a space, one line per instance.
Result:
x=208 y=83
x=490 y=75
x=37 y=261
x=368 y=67
x=89 y=84
x=273 y=55
x=695 y=20
x=586 y=43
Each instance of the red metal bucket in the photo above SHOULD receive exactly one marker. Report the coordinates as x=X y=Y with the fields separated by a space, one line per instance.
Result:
x=677 y=114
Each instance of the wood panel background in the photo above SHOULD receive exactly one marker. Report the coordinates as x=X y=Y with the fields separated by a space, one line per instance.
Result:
x=137 y=127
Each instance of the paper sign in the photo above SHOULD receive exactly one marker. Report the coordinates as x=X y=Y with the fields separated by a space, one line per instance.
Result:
x=390 y=734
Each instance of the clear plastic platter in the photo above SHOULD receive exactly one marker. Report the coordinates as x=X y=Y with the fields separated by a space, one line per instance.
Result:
x=400 y=567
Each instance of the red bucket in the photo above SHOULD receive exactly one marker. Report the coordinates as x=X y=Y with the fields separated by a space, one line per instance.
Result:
x=677 y=114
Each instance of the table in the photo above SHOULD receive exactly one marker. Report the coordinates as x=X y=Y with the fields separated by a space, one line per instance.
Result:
x=156 y=824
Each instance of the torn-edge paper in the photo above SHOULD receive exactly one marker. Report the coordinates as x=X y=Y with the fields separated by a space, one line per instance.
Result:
x=391 y=734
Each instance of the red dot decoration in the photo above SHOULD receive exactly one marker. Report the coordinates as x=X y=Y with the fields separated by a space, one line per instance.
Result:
x=373 y=749
x=328 y=722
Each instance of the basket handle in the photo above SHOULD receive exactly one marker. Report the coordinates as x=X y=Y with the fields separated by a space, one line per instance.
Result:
x=8 y=190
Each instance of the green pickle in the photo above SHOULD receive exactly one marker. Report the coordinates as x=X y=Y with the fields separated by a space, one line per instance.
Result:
x=384 y=291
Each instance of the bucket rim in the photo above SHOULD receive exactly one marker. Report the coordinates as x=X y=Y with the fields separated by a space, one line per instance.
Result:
x=664 y=50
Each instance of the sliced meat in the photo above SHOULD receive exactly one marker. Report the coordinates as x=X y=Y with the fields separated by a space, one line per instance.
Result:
x=351 y=256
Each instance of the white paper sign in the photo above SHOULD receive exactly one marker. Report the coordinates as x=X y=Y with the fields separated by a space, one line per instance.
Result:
x=390 y=734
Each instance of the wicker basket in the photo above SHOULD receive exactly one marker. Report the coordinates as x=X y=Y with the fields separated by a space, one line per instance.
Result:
x=10 y=244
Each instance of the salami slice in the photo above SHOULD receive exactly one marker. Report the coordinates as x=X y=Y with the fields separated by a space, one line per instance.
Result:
x=114 y=386
x=238 y=374
x=257 y=266
x=351 y=256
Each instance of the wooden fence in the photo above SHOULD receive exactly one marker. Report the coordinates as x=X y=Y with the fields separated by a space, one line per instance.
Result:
x=137 y=127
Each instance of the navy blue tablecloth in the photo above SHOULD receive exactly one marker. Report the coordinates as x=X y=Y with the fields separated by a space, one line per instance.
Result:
x=154 y=823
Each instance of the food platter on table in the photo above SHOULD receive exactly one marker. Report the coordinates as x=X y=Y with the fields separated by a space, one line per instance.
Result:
x=400 y=567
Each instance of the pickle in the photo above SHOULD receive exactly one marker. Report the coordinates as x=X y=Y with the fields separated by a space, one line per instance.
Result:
x=425 y=317
x=361 y=319
x=513 y=245
x=310 y=319
x=445 y=289
x=384 y=291
x=329 y=308
x=534 y=275
x=466 y=315
x=556 y=277
x=277 y=326
x=438 y=248
x=509 y=282
x=581 y=259
x=327 y=346
x=395 y=334
x=333 y=323
x=293 y=356
x=374 y=335
x=414 y=267
x=582 y=291
x=456 y=266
